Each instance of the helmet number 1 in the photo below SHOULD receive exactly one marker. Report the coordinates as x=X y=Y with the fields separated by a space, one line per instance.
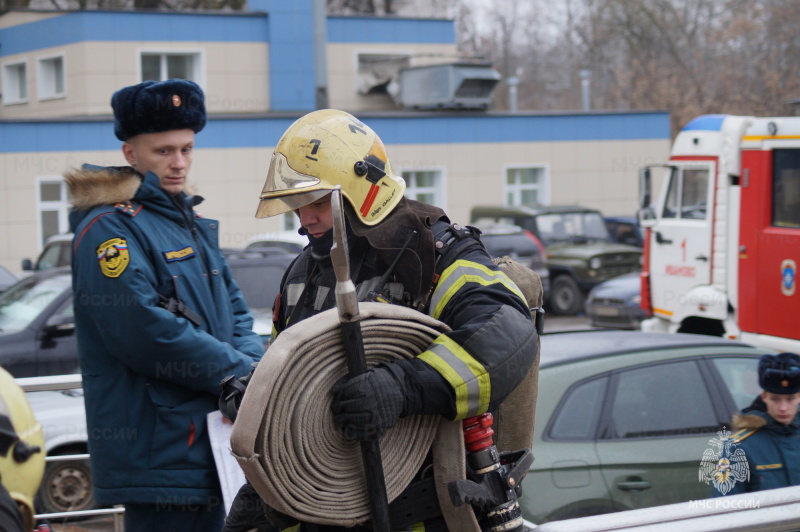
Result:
x=315 y=149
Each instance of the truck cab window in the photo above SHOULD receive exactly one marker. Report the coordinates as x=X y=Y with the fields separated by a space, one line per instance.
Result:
x=687 y=196
x=786 y=188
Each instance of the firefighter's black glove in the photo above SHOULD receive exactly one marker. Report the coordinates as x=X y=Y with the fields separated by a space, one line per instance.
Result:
x=366 y=406
x=232 y=392
x=248 y=513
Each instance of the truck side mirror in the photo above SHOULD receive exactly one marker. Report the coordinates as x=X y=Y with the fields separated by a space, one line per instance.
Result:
x=645 y=188
x=27 y=265
x=646 y=217
x=60 y=325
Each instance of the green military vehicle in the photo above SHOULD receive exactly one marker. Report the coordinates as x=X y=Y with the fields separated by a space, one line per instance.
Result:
x=579 y=251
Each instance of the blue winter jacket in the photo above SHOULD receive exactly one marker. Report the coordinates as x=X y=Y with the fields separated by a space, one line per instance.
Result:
x=772 y=450
x=143 y=270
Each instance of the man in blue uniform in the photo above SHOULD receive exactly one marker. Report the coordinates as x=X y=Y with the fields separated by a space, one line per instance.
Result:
x=160 y=321
x=769 y=429
x=405 y=253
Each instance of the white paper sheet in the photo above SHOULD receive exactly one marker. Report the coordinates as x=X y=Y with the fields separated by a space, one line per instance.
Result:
x=231 y=477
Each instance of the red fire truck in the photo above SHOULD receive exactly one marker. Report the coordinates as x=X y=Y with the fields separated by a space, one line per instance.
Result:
x=723 y=238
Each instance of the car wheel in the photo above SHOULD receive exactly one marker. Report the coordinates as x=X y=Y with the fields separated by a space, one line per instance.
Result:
x=66 y=486
x=565 y=296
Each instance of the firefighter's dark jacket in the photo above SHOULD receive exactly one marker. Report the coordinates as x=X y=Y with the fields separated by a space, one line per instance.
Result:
x=772 y=450
x=493 y=341
x=151 y=375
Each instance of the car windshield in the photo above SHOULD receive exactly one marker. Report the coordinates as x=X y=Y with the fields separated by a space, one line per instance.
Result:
x=571 y=227
x=23 y=302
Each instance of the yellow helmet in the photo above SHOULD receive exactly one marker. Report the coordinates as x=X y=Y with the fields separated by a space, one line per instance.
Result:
x=323 y=149
x=21 y=444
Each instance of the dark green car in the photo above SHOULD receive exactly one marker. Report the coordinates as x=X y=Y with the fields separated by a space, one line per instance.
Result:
x=623 y=419
x=580 y=252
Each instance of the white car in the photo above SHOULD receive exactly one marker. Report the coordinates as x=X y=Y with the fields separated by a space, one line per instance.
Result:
x=290 y=241
x=66 y=485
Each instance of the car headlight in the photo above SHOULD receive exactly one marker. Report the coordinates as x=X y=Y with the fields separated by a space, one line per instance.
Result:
x=595 y=263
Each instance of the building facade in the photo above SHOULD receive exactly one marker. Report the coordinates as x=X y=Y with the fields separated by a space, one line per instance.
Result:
x=261 y=69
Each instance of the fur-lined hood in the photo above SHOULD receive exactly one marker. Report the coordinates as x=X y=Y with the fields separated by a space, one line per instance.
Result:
x=92 y=186
x=748 y=421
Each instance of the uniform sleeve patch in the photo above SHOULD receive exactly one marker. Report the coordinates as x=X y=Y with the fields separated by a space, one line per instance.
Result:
x=173 y=255
x=113 y=257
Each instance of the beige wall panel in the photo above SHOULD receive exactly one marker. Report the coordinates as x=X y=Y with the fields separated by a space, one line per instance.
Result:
x=230 y=181
x=19 y=218
x=605 y=177
x=343 y=67
x=236 y=77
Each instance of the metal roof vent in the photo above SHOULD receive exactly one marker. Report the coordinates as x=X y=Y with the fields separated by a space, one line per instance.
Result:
x=447 y=86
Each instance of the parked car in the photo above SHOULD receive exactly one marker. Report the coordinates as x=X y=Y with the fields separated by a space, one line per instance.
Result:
x=518 y=244
x=6 y=279
x=625 y=230
x=258 y=273
x=291 y=241
x=57 y=252
x=580 y=253
x=624 y=417
x=616 y=303
x=37 y=325
x=66 y=485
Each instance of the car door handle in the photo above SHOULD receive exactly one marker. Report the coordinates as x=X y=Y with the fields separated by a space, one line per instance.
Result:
x=633 y=485
x=701 y=257
x=661 y=240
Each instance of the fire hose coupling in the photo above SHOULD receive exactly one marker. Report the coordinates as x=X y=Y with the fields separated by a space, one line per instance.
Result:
x=494 y=483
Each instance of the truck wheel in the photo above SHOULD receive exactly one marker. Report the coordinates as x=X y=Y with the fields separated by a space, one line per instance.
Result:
x=66 y=486
x=565 y=296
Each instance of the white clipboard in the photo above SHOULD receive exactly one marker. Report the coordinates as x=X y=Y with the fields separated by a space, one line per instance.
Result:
x=231 y=477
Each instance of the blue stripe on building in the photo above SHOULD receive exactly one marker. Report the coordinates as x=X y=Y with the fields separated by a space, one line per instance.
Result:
x=390 y=30
x=72 y=28
x=395 y=129
x=292 y=80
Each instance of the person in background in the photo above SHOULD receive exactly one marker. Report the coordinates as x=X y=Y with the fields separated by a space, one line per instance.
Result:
x=768 y=431
x=159 y=319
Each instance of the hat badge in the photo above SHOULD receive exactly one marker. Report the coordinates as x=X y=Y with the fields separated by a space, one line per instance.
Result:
x=176 y=100
x=784 y=383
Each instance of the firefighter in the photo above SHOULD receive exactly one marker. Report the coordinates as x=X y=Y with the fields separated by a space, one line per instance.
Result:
x=768 y=431
x=402 y=252
x=21 y=457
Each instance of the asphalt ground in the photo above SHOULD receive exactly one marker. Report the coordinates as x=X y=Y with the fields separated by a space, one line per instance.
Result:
x=105 y=524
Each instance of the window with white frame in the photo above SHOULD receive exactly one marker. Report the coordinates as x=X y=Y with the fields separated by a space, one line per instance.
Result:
x=163 y=65
x=50 y=77
x=15 y=83
x=290 y=221
x=526 y=186
x=426 y=186
x=53 y=204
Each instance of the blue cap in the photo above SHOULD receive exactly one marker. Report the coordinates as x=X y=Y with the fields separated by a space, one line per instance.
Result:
x=779 y=373
x=155 y=106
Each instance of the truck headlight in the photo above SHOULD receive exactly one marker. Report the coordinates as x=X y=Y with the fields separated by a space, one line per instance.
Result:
x=595 y=263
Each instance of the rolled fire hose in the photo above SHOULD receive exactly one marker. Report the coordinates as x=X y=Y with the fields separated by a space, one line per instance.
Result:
x=291 y=450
